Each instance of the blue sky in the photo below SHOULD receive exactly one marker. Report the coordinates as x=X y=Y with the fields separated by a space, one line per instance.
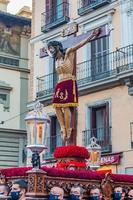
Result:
x=15 y=5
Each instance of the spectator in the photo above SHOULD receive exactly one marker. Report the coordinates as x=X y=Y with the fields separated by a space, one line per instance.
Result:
x=19 y=189
x=130 y=194
x=4 y=189
x=76 y=193
x=56 y=193
x=119 y=193
x=95 y=193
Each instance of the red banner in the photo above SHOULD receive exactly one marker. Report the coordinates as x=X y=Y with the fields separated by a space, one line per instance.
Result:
x=110 y=159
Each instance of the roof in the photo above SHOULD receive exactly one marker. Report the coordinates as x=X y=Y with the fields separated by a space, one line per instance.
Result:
x=10 y=18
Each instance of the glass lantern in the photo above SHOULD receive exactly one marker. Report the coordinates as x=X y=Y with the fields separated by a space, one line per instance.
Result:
x=95 y=154
x=36 y=123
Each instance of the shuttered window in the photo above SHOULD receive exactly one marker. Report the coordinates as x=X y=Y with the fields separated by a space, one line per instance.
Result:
x=55 y=9
x=48 y=13
x=99 y=57
x=11 y=149
x=98 y=125
x=100 y=121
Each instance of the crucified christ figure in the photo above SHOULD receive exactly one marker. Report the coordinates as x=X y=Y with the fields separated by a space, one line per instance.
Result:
x=65 y=95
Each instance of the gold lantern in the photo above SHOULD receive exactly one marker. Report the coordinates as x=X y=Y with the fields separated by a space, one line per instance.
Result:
x=95 y=154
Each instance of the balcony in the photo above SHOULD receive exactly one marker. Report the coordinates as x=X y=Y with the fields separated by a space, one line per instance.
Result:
x=51 y=143
x=55 y=16
x=103 y=136
x=86 y=6
x=46 y=84
x=107 y=67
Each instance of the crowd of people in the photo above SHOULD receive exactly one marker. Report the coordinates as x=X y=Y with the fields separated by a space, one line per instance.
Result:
x=19 y=188
x=94 y=193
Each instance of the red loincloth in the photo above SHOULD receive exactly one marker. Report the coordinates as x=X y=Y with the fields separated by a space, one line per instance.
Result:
x=66 y=94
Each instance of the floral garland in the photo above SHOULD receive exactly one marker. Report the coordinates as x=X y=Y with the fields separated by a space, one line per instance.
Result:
x=79 y=174
x=71 y=151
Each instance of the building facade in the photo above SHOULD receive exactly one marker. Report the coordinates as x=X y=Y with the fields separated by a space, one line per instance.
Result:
x=104 y=69
x=25 y=12
x=14 y=37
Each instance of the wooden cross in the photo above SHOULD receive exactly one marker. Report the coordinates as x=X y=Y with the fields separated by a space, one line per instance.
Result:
x=70 y=31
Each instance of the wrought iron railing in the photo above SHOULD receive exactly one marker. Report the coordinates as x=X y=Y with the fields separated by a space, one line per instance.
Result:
x=98 y=68
x=105 y=65
x=51 y=143
x=45 y=84
x=55 y=15
x=86 y=5
x=103 y=136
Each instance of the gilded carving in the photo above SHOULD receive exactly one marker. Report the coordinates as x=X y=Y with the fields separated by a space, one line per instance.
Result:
x=67 y=185
x=40 y=183
x=31 y=182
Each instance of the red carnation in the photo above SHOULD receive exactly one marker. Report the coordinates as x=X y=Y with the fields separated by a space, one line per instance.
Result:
x=71 y=151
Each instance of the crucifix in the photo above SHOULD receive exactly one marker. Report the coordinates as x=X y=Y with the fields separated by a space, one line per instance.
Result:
x=65 y=98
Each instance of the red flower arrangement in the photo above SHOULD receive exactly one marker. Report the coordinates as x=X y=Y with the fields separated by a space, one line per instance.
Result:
x=71 y=151
x=79 y=174
x=71 y=163
x=15 y=171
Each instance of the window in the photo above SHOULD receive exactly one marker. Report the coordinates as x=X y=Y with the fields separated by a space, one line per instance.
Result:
x=98 y=125
x=48 y=81
x=99 y=121
x=86 y=2
x=99 y=57
x=129 y=170
x=54 y=75
x=86 y=6
x=55 y=10
x=5 y=99
x=53 y=138
x=58 y=10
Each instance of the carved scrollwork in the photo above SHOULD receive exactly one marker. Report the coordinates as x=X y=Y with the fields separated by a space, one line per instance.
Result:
x=52 y=183
x=67 y=185
x=40 y=183
x=31 y=182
